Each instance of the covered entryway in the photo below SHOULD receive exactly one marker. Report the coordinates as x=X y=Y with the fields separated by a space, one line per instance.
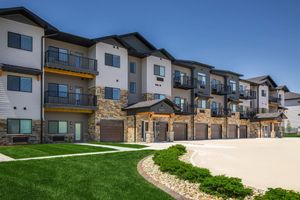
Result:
x=180 y=131
x=232 y=131
x=201 y=131
x=243 y=131
x=216 y=131
x=111 y=130
x=160 y=131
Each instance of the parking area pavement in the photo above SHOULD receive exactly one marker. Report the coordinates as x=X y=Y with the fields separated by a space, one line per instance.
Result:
x=260 y=163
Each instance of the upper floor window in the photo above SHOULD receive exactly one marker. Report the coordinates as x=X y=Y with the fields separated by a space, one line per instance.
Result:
x=233 y=107
x=112 y=93
x=201 y=78
x=215 y=82
x=232 y=85
x=132 y=67
x=57 y=127
x=242 y=88
x=263 y=93
x=19 y=126
x=18 y=83
x=159 y=96
x=279 y=96
x=112 y=60
x=159 y=70
x=58 y=54
x=19 y=41
x=57 y=90
x=132 y=87
x=202 y=103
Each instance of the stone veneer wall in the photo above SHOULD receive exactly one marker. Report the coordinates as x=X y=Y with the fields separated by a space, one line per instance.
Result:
x=7 y=139
x=107 y=109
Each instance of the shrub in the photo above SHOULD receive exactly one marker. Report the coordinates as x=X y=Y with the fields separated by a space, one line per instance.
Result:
x=225 y=187
x=279 y=193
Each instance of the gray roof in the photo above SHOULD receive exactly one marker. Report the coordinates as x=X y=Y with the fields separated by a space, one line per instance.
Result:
x=283 y=87
x=147 y=104
x=191 y=63
x=224 y=72
x=270 y=115
x=262 y=79
x=291 y=95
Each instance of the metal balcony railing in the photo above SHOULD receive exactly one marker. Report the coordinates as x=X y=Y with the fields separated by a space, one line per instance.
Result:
x=247 y=94
x=274 y=99
x=186 y=109
x=183 y=82
x=67 y=98
x=220 y=89
x=220 y=112
x=58 y=59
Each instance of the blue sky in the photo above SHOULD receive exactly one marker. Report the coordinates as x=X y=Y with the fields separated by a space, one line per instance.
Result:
x=252 y=37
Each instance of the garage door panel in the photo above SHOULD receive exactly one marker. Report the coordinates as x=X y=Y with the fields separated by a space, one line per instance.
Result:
x=201 y=131
x=162 y=129
x=111 y=130
x=243 y=131
x=180 y=131
x=216 y=131
x=232 y=131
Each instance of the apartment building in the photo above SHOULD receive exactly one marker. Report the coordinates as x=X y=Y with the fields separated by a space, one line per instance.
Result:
x=292 y=103
x=59 y=87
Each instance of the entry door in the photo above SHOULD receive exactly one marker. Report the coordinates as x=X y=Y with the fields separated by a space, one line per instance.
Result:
x=78 y=92
x=78 y=131
x=266 y=131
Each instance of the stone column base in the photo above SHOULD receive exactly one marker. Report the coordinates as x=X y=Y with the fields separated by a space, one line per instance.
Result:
x=171 y=136
x=149 y=136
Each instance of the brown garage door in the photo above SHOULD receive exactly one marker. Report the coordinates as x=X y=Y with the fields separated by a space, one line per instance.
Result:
x=180 y=131
x=243 y=131
x=232 y=131
x=161 y=131
x=111 y=131
x=216 y=131
x=201 y=131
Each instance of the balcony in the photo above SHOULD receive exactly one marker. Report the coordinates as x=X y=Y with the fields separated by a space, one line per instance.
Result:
x=249 y=113
x=247 y=94
x=274 y=99
x=54 y=99
x=186 y=109
x=69 y=62
x=220 y=112
x=220 y=89
x=183 y=82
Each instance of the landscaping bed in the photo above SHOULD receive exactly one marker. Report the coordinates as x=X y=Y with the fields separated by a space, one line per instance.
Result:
x=118 y=144
x=39 y=150
x=218 y=186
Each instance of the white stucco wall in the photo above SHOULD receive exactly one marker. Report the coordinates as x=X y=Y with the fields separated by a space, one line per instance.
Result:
x=11 y=99
x=263 y=101
x=293 y=115
x=108 y=75
x=20 y=57
x=151 y=85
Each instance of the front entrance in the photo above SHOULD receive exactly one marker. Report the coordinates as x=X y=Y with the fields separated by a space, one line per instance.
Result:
x=266 y=131
x=180 y=131
x=78 y=131
x=78 y=92
x=160 y=131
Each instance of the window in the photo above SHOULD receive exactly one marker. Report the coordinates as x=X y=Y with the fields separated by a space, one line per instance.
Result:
x=263 y=93
x=18 y=83
x=19 y=41
x=132 y=67
x=112 y=60
x=57 y=127
x=159 y=96
x=242 y=88
x=58 y=54
x=180 y=102
x=202 y=103
x=57 y=90
x=19 y=126
x=279 y=97
x=132 y=87
x=112 y=93
x=232 y=85
x=233 y=107
x=201 y=79
x=159 y=70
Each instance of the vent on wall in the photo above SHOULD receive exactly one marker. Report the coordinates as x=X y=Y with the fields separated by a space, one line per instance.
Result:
x=159 y=79
x=20 y=139
x=58 y=138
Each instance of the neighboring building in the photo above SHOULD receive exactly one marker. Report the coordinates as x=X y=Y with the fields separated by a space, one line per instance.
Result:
x=120 y=88
x=292 y=103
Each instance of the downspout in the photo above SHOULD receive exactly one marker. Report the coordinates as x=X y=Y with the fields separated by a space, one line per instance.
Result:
x=42 y=85
x=193 y=103
x=225 y=105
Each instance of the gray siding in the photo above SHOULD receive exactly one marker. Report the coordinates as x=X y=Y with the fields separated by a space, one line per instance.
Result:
x=137 y=78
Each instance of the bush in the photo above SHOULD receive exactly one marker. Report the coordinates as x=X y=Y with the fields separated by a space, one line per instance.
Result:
x=279 y=193
x=225 y=187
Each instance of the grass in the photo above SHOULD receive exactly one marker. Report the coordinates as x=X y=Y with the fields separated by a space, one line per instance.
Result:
x=37 y=150
x=135 y=146
x=291 y=135
x=279 y=193
x=107 y=176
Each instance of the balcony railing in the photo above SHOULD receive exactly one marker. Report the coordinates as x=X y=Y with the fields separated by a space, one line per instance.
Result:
x=274 y=99
x=247 y=94
x=183 y=82
x=186 y=109
x=220 y=112
x=248 y=113
x=201 y=84
x=71 y=62
x=70 y=99
x=220 y=89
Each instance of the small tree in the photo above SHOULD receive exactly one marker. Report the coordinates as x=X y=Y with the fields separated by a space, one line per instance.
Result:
x=288 y=126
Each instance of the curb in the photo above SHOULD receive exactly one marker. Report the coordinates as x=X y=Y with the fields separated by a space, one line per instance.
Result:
x=172 y=193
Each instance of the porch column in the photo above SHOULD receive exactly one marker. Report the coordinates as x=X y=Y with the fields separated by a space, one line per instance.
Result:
x=170 y=128
x=273 y=134
x=150 y=132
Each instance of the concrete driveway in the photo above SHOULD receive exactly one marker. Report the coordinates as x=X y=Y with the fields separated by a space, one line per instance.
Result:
x=260 y=163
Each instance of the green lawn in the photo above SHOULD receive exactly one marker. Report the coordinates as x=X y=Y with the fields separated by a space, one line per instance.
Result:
x=37 y=150
x=107 y=176
x=290 y=135
x=135 y=146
